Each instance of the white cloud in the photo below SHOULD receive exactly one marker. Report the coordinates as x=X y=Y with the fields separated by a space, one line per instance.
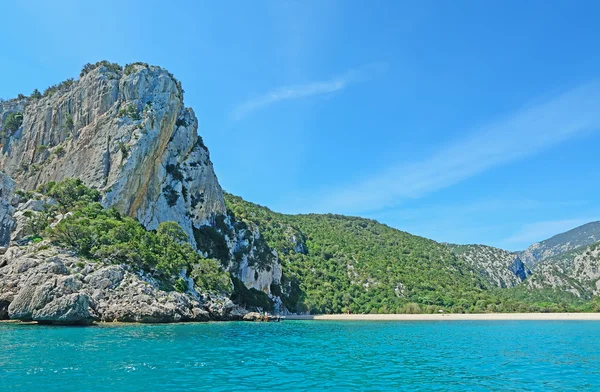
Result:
x=525 y=133
x=306 y=90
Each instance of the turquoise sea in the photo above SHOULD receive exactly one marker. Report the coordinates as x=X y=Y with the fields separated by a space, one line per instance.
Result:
x=303 y=355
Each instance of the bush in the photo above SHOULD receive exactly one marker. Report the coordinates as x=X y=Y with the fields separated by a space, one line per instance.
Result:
x=175 y=172
x=36 y=94
x=112 y=67
x=64 y=85
x=71 y=193
x=130 y=68
x=211 y=241
x=181 y=122
x=170 y=195
x=12 y=123
x=181 y=285
x=130 y=111
x=124 y=148
x=35 y=223
x=59 y=151
x=209 y=277
x=96 y=233
x=69 y=122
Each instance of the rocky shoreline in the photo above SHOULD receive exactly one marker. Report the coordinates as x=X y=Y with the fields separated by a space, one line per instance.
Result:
x=43 y=283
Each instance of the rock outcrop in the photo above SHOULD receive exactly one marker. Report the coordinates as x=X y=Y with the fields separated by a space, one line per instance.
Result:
x=41 y=283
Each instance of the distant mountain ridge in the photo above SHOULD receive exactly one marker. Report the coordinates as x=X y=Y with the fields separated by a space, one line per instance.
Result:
x=568 y=262
x=581 y=236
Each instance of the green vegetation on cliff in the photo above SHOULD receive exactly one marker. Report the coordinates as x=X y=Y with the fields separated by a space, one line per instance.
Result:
x=11 y=124
x=106 y=235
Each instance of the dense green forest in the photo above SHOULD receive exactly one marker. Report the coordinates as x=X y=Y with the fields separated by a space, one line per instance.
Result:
x=335 y=264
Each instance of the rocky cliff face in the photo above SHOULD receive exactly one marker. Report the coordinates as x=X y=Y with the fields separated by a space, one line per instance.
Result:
x=501 y=268
x=7 y=188
x=127 y=133
x=241 y=248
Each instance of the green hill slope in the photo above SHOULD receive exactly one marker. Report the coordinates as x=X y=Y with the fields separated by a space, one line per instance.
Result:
x=334 y=263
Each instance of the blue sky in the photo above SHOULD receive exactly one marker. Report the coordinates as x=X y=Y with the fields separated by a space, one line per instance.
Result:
x=462 y=121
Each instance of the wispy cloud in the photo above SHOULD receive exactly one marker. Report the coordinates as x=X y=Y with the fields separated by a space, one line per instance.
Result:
x=539 y=231
x=306 y=90
x=525 y=133
x=472 y=208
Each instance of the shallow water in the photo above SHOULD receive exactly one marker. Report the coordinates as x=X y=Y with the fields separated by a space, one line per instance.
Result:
x=303 y=355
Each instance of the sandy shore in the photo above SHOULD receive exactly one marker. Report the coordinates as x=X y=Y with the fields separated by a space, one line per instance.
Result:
x=451 y=317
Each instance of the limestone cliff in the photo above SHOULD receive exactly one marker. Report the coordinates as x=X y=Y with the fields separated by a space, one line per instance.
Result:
x=127 y=133
x=7 y=187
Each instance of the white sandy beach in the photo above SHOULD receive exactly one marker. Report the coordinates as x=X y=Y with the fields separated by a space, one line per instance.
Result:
x=451 y=317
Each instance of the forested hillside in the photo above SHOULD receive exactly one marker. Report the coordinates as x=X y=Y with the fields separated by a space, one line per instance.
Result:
x=334 y=263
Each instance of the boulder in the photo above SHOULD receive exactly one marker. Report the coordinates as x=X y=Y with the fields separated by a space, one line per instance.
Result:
x=69 y=309
x=222 y=308
x=253 y=316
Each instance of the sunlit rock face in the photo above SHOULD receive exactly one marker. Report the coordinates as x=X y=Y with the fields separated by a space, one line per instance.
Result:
x=125 y=133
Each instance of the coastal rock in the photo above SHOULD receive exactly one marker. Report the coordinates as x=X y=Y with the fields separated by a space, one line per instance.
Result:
x=50 y=295
x=68 y=309
x=518 y=268
x=253 y=316
x=224 y=309
x=250 y=259
x=40 y=282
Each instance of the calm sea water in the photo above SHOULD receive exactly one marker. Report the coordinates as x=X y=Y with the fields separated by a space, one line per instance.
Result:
x=303 y=355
